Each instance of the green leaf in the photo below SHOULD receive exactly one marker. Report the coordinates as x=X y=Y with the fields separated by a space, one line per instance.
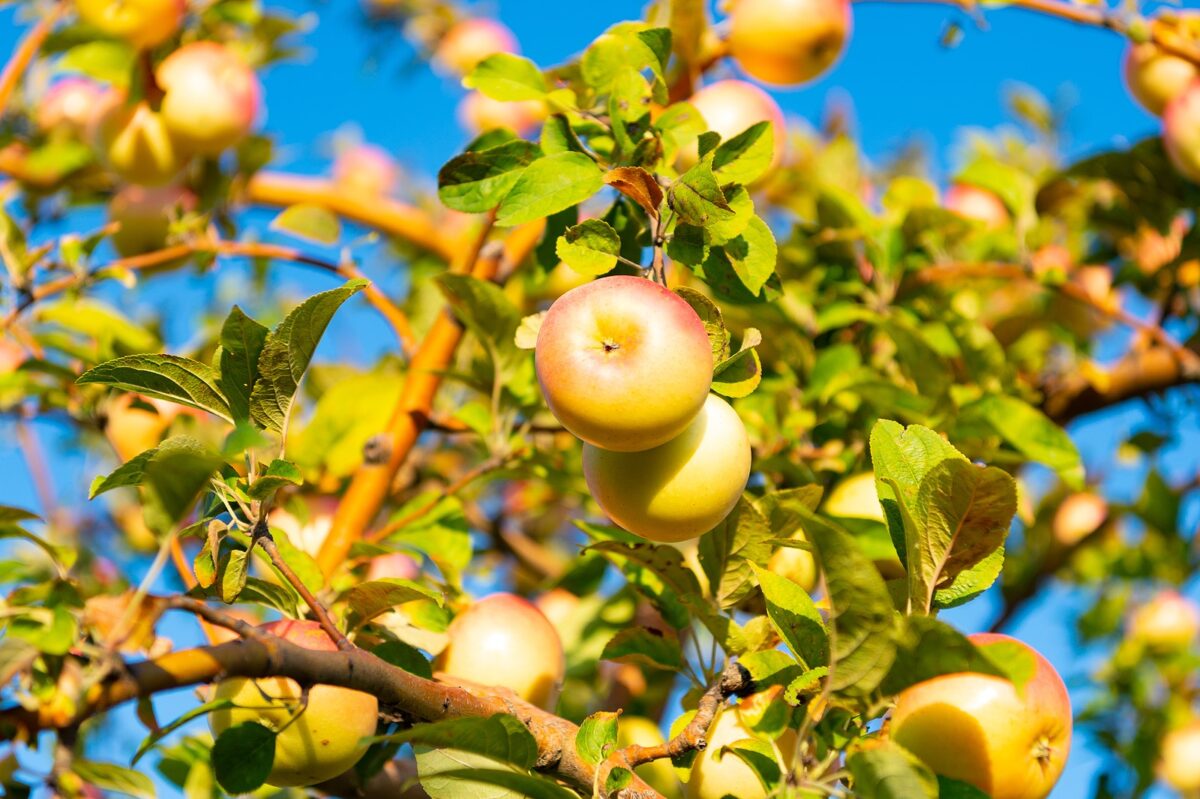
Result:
x=501 y=738
x=171 y=476
x=508 y=77
x=234 y=575
x=111 y=777
x=559 y=137
x=590 y=248
x=242 y=757
x=597 y=737
x=739 y=375
x=953 y=789
x=157 y=735
x=10 y=514
x=760 y=756
x=367 y=600
x=618 y=50
x=310 y=222
x=888 y=771
x=742 y=207
x=487 y=783
x=486 y=311
x=930 y=648
x=477 y=181
x=710 y=314
x=753 y=254
x=1033 y=434
x=404 y=656
x=549 y=185
x=697 y=197
x=287 y=352
x=745 y=157
x=242 y=340
x=106 y=60
x=277 y=475
x=795 y=618
x=645 y=647
x=347 y=415
x=168 y=377
x=688 y=245
x=806 y=684
x=730 y=551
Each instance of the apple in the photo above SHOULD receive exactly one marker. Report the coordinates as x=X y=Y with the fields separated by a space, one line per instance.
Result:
x=1179 y=758
x=132 y=428
x=624 y=363
x=469 y=42
x=504 y=640
x=144 y=216
x=680 y=489
x=1181 y=132
x=731 y=106
x=1167 y=623
x=69 y=106
x=717 y=774
x=210 y=98
x=308 y=530
x=326 y=739
x=788 y=41
x=12 y=355
x=976 y=203
x=797 y=565
x=367 y=170
x=981 y=730
x=1079 y=515
x=393 y=565
x=1154 y=77
x=478 y=113
x=143 y=23
x=134 y=141
x=558 y=605
x=855 y=497
x=658 y=774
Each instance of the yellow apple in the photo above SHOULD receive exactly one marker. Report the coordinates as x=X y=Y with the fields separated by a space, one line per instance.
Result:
x=367 y=170
x=134 y=141
x=680 y=489
x=797 y=565
x=1079 y=515
x=658 y=774
x=325 y=740
x=504 y=640
x=980 y=730
x=975 y=203
x=210 y=99
x=623 y=363
x=1154 y=77
x=1179 y=758
x=144 y=216
x=788 y=41
x=717 y=774
x=69 y=106
x=855 y=497
x=143 y=23
x=478 y=113
x=730 y=106
x=1181 y=132
x=469 y=42
x=1167 y=623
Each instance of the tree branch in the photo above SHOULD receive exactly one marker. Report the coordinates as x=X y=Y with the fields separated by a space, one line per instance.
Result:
x=19 y=62
x=1137 y=375
x=262 y=537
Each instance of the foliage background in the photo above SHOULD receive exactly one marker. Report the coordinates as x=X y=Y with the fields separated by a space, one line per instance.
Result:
x=898 y=84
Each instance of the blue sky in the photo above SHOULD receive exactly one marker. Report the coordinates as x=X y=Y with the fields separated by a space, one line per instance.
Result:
x=903 y=85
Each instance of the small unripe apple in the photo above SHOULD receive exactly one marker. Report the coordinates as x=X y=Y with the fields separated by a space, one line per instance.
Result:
x=731 y=106
x=788 y=41
x=143 y=23
x=144 y=216
x=1181 y=132
x=366 y=169
x=69 y=106
x=210 y=99
x=393 y=565
x=975 y=203
x=981 y=730
x=131 y=430
x=1155 y=77
x=478 y=113
x=623 y=363
x=680 y=489
x=1179 y=758
x=716 y=774
x=1167 y=623
x=504 y=640
x=470 y=41
x=1079 y=515
x=134 y=141
x=326 y=739
x=658 y=774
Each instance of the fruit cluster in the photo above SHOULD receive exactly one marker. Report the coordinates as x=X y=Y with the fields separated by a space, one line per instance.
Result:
x=626 y=365
x=1168 y=86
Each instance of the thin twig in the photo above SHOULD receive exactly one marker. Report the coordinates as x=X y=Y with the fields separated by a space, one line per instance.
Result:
x=19 y=62
x=262 y=538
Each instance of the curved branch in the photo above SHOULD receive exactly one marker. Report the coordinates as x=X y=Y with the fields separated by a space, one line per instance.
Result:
x=24 y=54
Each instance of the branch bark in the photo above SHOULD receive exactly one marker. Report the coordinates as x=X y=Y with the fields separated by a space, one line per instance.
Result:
x=19 y=62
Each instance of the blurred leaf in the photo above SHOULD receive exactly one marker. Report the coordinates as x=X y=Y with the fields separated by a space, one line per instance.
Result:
x=745 y=157
x=508 y=77
x=645 y=647
x=111 y=777
x=314 y=223
x=1031 y=433
x=759 y=755
x=278 y=474
x=242 y=757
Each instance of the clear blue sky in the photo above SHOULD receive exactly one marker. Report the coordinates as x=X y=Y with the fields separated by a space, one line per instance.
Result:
x=903 y=83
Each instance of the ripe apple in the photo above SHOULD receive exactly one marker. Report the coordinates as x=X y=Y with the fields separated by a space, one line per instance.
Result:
x=478 y=113
x=469 y=42
x=325 y=740
x=69 y=106
x=975 y=203
x=393 y=565
x=367 y=170
x=145 y=216
x=1167 y=623
x=623 y=363
x=979 y=729
x=1077 y=516
x=558 y=605
x=680 y=489
x=658 y=774
x=210 y=99
x=716 y=774
x=131 y=430
x=1179 y=758
x=788 y=41
x=797 y=565
x=855 y=497
x=134 y=141
x=1154 y=77
x=143 y=23
x=731 y=106
x=1181 y=132
x=504 y=640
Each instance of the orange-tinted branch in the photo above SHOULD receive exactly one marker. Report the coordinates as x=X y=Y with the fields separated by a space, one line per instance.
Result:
x=19 y=62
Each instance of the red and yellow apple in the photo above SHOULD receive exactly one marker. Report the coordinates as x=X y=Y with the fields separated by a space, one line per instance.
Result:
x=143 y=23
x=717 y=774
x=788 y=41
x=981 y=205
x=730 y=106
x=1181 y=132
x=503 y=640
x=325 y=740
x=134 y=141
x=469 y=42
x=982 y=730
x=680 y=489
x=1079 y=515
x=1167 y=623
x=144 y=217
x=624 y=363
x=210 y=99
x=131 y=430
x=367 y=170
x=658 y=774
x=478 y=113
x=69 y=106
x=1155 y=77
x=1179 y=758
